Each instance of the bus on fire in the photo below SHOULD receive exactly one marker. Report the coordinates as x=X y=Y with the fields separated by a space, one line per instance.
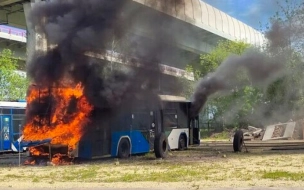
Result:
x=135 y=130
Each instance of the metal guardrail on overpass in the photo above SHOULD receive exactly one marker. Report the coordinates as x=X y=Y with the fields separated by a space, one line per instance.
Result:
x=12 y=34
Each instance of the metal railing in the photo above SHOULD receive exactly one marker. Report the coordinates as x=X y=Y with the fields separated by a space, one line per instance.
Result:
x=12 y=31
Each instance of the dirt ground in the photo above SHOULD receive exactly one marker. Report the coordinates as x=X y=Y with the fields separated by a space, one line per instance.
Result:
x=197 y=168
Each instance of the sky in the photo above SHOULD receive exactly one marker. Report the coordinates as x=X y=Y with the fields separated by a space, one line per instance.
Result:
x=255 y=13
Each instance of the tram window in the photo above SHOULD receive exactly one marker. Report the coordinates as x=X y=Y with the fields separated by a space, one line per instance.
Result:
x=16 y=137
x=16 y=124
x=18 y=117
x=5 y=111
x=18 y=111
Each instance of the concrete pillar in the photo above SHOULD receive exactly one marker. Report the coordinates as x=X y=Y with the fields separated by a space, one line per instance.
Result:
x=35 y=41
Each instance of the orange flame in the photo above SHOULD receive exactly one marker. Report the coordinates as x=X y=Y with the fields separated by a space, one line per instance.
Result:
x=58 y=159
x=63 y=128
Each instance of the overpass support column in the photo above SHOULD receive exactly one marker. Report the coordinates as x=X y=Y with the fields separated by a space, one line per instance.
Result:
x=35 y=40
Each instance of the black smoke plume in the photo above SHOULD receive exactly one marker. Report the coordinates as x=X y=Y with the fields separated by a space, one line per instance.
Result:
x=74 y=28
x=280 y=61
x=260 y=68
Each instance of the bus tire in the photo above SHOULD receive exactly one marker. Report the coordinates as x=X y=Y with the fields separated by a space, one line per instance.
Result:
x=124 y=148
x=182 y=142
x=161 y=146
x=238 y=141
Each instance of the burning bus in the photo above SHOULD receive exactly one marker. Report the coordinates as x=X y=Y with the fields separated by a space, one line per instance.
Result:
x=65 y=126
x=89 y=101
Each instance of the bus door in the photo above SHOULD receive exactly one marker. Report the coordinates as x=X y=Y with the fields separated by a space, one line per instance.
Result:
x=5 y=132
x=144 y=121
x=194 y=132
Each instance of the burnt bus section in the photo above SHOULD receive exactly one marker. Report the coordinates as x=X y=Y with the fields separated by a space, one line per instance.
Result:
x=39 y=110
x=136 y=114
x=96 y=139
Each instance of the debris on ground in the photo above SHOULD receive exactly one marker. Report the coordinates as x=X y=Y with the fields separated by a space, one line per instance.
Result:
x=291 y=130
x=280 y=131
x=251 y=133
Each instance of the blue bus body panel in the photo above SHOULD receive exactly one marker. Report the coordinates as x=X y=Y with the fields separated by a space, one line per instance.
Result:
x=139 y=144
x=85 y=149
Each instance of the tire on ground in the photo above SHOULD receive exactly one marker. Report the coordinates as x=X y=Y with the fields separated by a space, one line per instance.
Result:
x=124 y=148
x=238 y=141
x=182 y=142
x=161 y=146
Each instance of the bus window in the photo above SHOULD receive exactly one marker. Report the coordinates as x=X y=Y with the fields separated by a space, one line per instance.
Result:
x=141 y=121
x=170 y=119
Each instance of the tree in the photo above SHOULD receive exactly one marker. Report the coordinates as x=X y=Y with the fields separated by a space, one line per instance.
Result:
x=13 y=85
x=234 y=107
x=286 y=34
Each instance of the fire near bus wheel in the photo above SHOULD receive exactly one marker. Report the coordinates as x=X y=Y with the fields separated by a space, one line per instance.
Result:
x=161 y=146
x=238 y=141
x=182 y=142
x=123 y=148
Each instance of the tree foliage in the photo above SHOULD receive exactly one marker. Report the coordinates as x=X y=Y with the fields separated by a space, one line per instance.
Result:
x=280 y=101
x=13 y=85
x=230 y=108
x=286 y=33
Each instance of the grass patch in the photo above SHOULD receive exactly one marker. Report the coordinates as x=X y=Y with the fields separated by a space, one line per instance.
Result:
x=168 y=175
x=80 y=174
x=35 y=180
x=280 y=175
x=186 y=166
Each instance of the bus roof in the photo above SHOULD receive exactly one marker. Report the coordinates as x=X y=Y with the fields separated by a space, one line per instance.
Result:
x=12 y=104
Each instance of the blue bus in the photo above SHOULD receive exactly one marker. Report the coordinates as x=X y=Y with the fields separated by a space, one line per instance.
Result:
x=133 y=131
x=12 y=115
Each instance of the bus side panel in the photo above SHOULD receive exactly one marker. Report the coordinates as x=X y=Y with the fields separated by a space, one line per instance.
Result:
x=173 y=137
x=84 y=149
x=139 y=143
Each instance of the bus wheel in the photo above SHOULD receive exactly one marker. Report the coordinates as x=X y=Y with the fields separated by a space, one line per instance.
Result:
x=182 y=142
x=161 y=146
x=123 y=148
x=238 y=141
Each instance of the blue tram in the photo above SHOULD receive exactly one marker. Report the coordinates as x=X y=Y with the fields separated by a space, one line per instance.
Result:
x=12 y=115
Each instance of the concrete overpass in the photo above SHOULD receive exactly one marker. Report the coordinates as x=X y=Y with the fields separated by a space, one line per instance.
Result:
x=199 y=25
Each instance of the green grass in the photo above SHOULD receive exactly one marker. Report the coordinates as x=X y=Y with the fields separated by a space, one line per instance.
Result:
x=283 y=175
x=188 y=166
x=80 y=175
x=167 y=175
